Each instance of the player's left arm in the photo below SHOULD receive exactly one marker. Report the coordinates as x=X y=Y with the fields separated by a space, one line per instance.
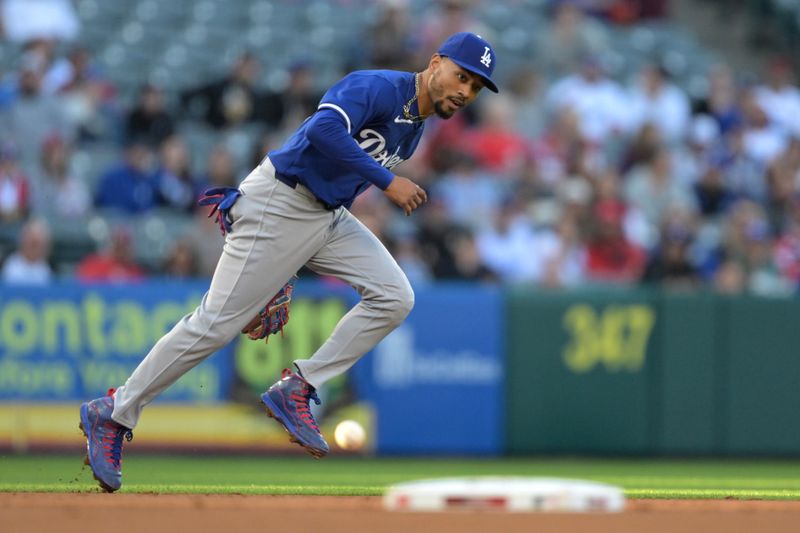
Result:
x=354 y=101
x=327 y=132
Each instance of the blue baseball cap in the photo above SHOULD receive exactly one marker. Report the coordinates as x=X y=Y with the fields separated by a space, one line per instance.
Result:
x=473 y=53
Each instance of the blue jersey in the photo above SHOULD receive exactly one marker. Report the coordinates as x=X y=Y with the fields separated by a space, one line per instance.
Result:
x=370 y=132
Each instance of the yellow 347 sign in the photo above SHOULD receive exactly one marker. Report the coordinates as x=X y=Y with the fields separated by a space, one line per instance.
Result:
x=615 y=336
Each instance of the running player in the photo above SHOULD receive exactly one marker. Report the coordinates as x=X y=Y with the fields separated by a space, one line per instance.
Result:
x=291 y=211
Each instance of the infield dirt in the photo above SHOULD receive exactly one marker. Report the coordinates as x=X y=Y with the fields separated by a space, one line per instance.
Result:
x=151 y=513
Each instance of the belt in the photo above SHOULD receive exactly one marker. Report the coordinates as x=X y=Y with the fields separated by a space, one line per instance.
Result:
x=291 y=182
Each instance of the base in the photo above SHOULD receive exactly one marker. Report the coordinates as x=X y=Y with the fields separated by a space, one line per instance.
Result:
x=513 y=494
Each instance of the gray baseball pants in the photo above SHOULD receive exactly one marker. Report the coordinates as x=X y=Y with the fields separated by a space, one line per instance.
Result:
x=277 y=230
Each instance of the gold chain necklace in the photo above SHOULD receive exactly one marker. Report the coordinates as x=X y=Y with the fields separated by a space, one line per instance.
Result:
x=407 y=108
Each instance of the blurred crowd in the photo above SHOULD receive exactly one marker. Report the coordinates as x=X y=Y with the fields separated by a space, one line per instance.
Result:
x=567 y=178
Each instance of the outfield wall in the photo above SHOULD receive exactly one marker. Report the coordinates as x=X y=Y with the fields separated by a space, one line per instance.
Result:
x=474 y=370
x=640 y=372
x=433 y=386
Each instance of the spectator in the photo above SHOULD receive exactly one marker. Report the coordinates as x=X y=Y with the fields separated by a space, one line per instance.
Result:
x=176 y=187
x=34 y=116
x=646 y=142
x=24 y=20
x=779 y=97
x=390 y=41
x=181 y=261
x=762 y=140
x=527 y=90
x=55 y=69
x=443 y=142
x=470 y=196
x=608 y=190
x=599 y=102
x=529 y=185
x=743 y=174
x=655 y=100
x=671 y=264
x=114 y=264
x=653 y=188
x=436 y=235
x=89 y=99
x=15 y=201
x=553 y=150
x=563 y=254
x=703 y=147
x=510 y=246
x=149 y=119
x=229 y=101
x=568 y=39
x=573 y=197
x=57 y=191
x=220 y=170
x=763 y=275
x=744 y=216
x=29 y=264
x=712 y=194
x=610 y=256
x=296 y=102
x=497 y=146
x=753 y=145
x=467 y=260
x=130 y=186
x=721 y=100
x=730 y=278
x=783 y=177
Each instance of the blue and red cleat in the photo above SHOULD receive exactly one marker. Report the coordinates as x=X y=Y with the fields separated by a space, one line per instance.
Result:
x=104 y=441
x=287 y=402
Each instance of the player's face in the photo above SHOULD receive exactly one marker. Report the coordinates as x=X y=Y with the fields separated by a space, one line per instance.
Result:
x=451 y=87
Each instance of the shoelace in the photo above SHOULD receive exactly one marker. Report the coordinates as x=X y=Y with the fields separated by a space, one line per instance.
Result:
x=304 y=409
x=112 y=442
x=302 y=398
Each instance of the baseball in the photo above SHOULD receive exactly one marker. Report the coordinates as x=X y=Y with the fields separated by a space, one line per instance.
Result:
x=349 y=435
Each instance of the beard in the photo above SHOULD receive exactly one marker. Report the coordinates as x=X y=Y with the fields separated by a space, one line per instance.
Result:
x=440 y=112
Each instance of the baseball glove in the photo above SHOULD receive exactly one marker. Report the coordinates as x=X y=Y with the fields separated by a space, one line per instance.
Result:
x=273 y=317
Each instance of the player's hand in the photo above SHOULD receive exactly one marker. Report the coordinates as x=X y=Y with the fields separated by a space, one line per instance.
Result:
x=406 y=194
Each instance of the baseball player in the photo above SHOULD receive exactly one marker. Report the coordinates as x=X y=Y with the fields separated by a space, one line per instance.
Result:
x=291 y=211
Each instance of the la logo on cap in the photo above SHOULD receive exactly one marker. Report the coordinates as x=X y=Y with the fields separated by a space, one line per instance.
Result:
x=473 y=53
x=486 y=58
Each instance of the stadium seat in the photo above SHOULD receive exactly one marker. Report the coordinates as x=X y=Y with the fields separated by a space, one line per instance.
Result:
x=71 y=240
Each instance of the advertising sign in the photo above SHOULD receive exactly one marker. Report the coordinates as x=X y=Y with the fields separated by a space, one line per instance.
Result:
x=437 y=380
x=72 y=342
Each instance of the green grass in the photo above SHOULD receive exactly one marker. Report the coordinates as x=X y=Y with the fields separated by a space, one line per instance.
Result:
x=751 y=479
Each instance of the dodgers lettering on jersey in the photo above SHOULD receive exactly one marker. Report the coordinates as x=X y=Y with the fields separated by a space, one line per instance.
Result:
x=371 y=104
